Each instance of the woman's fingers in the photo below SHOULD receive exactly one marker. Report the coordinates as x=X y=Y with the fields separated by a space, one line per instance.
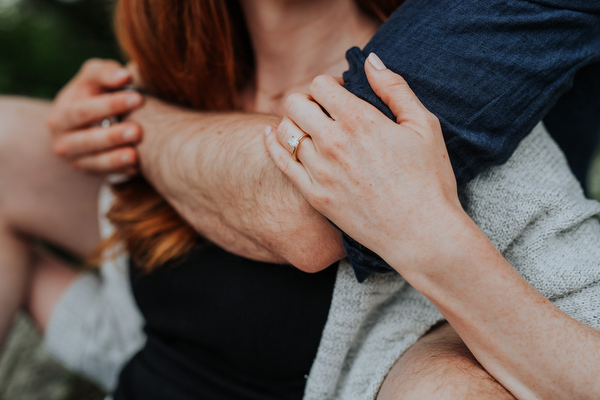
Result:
x=395 y=92
x=306 y=113
x=282 y=157
x=114 y=161
x=96 y=139
x=94 y=109
x=332 y=96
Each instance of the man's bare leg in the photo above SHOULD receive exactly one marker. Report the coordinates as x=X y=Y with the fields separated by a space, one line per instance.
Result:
x=439 y=366
x=40 y=196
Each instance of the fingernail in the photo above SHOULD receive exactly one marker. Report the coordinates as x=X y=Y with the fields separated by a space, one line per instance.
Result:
x=121 y=74
x=129 y=134
x=132 y=101
x=125 y=158
x=268 y=130
x=376 y=62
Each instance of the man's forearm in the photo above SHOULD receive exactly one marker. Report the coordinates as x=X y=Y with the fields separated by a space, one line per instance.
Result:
x=214 y=169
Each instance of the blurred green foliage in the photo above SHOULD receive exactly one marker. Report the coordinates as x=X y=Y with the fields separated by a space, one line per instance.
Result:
x=44 y=42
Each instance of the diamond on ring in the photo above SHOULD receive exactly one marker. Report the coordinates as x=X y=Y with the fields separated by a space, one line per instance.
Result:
x=294 y=141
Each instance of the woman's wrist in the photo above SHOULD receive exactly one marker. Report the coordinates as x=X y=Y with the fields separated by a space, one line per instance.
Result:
x=439 y=241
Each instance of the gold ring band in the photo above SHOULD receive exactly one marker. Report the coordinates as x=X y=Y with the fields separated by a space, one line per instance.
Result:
x=298 y=145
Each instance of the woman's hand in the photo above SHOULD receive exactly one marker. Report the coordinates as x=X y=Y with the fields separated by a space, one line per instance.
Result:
x=390 y=186
x=74 y=120
x=387 y=184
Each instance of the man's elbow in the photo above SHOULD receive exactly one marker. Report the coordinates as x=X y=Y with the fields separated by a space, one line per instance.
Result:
x=315 y=257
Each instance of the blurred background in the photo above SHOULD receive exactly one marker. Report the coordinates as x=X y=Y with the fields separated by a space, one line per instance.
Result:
x=44 y=42
x=42 y=45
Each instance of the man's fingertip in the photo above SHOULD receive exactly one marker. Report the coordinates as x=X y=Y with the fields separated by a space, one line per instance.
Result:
x=128 y=156
x=122 y=74
x=130 y=134
x=133 y=100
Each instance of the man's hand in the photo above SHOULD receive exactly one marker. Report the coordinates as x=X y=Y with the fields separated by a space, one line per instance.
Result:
x=78 y=110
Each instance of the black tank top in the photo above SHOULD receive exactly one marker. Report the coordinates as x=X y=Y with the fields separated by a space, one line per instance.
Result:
x=224 y=327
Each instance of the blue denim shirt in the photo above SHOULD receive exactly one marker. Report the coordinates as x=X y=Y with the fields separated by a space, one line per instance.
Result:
x=489 y=70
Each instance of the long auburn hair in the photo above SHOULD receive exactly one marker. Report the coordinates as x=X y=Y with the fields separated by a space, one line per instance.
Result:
x=195 y=53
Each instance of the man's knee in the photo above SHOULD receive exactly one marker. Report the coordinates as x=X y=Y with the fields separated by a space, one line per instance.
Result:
x=440 y=366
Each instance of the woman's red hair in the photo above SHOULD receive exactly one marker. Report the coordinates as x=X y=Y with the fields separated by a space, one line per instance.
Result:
x=195 y=53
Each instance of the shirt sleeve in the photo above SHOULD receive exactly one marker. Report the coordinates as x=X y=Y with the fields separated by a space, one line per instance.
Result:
x=489 y=70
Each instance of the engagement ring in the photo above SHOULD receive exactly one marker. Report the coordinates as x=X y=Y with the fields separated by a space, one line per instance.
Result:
x=295 y=143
